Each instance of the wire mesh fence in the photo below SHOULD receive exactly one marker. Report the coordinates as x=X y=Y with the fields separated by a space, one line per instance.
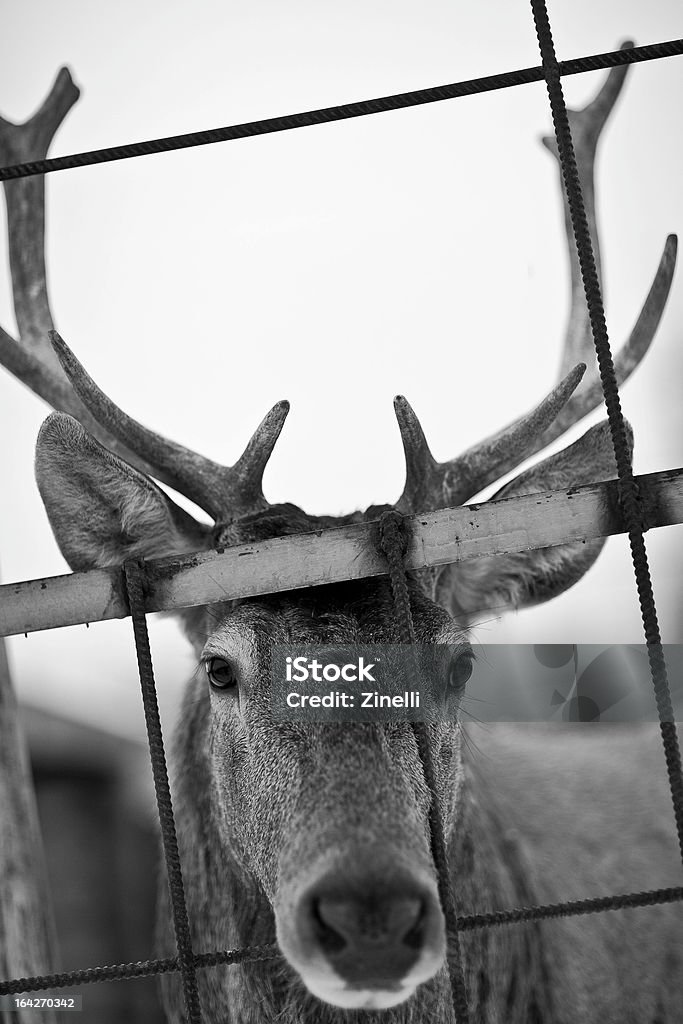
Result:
x=188 y=961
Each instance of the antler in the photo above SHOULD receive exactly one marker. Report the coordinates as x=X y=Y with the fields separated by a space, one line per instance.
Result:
x=34 y=362
x=431 y=484
x=222 y=491
x=438 y=485
x=52 y=371
x=226 y=492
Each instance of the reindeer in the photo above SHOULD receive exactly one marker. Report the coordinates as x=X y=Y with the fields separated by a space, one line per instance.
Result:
x=315 y=836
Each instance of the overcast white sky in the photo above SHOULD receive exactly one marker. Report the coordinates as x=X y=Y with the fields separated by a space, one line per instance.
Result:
x=418 y=252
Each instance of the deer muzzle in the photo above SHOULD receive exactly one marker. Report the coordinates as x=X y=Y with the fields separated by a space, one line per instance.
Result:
x=365 y=933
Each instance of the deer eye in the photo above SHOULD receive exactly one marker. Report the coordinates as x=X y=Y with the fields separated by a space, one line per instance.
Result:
x=460 y=669
x=221 y=673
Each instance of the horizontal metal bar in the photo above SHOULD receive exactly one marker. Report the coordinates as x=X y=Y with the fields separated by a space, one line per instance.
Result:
x=344 y=111
x=342 y=553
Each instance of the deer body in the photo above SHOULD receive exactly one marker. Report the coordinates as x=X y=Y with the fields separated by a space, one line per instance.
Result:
x=316 y=836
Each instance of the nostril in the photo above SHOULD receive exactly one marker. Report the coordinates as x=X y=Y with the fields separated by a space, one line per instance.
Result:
x=370 y=921
x=329 y=938
x=415 y=936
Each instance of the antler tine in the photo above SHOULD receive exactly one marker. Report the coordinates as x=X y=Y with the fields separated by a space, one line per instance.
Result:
x=590 y=396
x=423 y=476
x=26 y=214
x=225 y=492
x=432 y=485
x=32 y=359
x=586 y=127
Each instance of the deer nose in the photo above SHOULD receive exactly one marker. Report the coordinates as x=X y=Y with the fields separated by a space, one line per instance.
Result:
x=374 y=931
x=343 y=922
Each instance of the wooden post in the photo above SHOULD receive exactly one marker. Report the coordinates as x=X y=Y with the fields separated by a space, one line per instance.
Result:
x=27 y=932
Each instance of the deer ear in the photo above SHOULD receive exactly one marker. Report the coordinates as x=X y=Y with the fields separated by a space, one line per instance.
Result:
x=101 y=510
x=530 y=577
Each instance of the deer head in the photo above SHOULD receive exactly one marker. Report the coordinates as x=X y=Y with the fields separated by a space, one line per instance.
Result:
x=315 y=834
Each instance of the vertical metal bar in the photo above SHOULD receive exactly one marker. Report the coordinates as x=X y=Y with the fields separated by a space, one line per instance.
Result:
x=134 y=576
x=630 y=498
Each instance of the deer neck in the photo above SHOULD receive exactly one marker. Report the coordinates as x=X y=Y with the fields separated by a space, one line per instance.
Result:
x=505 y=967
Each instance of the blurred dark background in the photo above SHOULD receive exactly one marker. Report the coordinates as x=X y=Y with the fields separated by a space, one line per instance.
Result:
x=96 y=811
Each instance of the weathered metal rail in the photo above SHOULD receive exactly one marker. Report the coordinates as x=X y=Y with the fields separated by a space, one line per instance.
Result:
x=343 y=553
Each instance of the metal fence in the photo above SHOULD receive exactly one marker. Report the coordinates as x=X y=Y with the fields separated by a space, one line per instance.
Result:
x=637 y=510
